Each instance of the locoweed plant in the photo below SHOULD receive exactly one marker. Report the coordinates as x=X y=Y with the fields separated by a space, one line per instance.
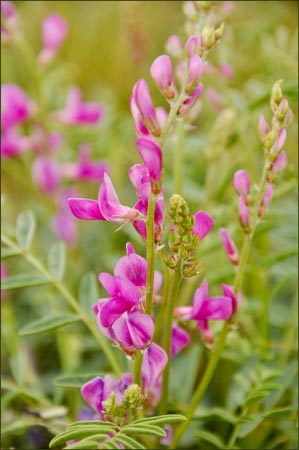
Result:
x=168 y=325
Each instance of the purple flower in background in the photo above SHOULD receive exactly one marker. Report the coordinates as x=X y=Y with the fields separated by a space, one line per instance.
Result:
x=174 y=46
x=229 y=247
x=153 y=364
x=54 y=31
x=77 y=112
x=85 y=168
x=12 y=143
x=203 y=224
x=241 y=183
x=63 y=224
x=15 y=106
x=228 y=291
x=98 y=390
x=179 y=340
x=263 y=128
x=227 y=70
x=9 y=21
x=46 y=174
x=204 y=309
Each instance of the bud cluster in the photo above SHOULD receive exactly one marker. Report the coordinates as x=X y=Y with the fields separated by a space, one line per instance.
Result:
x=181 y=239
x=131 y=402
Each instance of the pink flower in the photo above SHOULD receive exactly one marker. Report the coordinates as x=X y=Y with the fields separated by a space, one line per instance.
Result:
x=161 y=71
x=98 y=390
x=174 y=46
x=142 y=100
x=179 y=340
x=263 y=128
x=9 y=20
x=107 y=207
x=151 y=155
x=63 y=224
x=204 y=309
x=214 y=98
x=46 y=174
x=241 y=183
x=191 y=100
x=153 y=364
x=243 y=212
x=77 y=112
x=280 y=163
x=15 y=106
x=54 y=31
x=266 y=200
x=203 y=223
x=280 y=141
x=227 y=70
x=12 y=143
x=85 y=169
x=194 y=45
x=228 y=291
x=229 y=247
x=195 y=70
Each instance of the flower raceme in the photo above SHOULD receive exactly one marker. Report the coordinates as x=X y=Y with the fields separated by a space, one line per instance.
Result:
x=204 y=309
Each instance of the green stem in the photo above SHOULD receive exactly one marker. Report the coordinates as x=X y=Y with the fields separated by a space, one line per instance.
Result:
x=150 y=254
x=177 y=278
x=179 y=158
x=206 y=379
x=70 y=299
x=137 y=367
x=161 y=315
x=235 y=430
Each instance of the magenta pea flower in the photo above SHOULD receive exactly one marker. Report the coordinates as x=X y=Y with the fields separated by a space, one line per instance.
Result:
x=195 y=70
x=108 y=206
x=64 y=227
x=228 y=291
x=243 y=212
x=77 y=112
x=9 y=20
x=151 y=155
x=229 y=247
x=191 y=100
x=153 y=363
x=263 y=128
x=12 y=143
x=85 y=168
x=194 y=45
x=161 y=72
x=280 y=163
x=142 y=99
x=98 y=390
x=280 y=141
x=15 y=106
x=266 y=200
x=203 y=224
x=241 y=183
x=179 y=340
x=46 y=174
x=204 y=309
x=54 y=31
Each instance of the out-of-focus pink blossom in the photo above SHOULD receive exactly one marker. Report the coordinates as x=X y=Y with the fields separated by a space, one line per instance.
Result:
x=77 y=112
x=203 y=224
x=161 y=71
x=179 y=340
x=243 y=212
x=241 y=183
x=195 y=70
x=280 y=163
x=227 y=71
x=85 y=169
x=280 y=141
x=64 y=227
x=9 y=20
x=266 y=200
x=263 y=127
x=15 y=106
x=214 y=98
x=229 y=247
x=54 y=31
x=228 y=291
x=174 y=46
x=194 y=46
x=12 y=143
x=46 y=174
x=153 y=364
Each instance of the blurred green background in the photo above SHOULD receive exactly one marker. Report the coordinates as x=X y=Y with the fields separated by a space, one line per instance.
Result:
x=109 y=47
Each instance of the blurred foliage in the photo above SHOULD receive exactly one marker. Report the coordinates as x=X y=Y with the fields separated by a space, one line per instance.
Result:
x=110 y=46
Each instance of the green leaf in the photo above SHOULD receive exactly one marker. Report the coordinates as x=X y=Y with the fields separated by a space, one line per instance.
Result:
x=76 y=434
x=211 y=438
x=248 y=427
x=19 y=426
x=277 y=413
x=56 y=260
x=284 y=381
x=110 y=445
x=74 y=381
x=216 y=412
x=128 y=442
x=9 y=253
x=24 y=280
x=256 y=395
x=88 y=292
x=90 y=445
x=160 y=420
x=25 y=229
x=48 y=323
x=91 y=423
x=144 y=429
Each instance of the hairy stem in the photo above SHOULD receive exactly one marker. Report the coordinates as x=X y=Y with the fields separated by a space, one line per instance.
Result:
x=171 y=301
x=69 y=298
x=206 y=379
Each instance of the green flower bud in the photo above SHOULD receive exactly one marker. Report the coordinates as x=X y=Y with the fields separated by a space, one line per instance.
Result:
x=276 y=94
x=208 y=36
x=282 y=109
x=132 y=397
x=219 y=32
x=270 y=139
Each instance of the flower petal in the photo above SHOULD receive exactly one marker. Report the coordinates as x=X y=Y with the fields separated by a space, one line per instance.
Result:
x=153 y=364
x=86 y=209
x=216 y=308
x=151 y=155
x=203 y=223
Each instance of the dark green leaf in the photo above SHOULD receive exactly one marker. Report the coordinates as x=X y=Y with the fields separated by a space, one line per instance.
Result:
x=128 y=442
x=24 y=280
x=91 y=423
x=284 y=381
x=216 y=412
x=160 y=420
x=277 y=413
x=110 y=445
x=56 y=260
x=25 y=229
x=211 y=438
x=144 y=429
x=48 y=323
x=9 y=253
x=248 y=427
x=74 y=381
x=90 y=445
x=75 y=434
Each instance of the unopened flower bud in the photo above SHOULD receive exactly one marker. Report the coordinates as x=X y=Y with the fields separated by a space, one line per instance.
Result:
x=208 y=36
x=243 y=213
x=190 y=11
x=276 y=95
x=280 y=141
x=229 y=247
x=270 y=139
x=263 y=127
x=241 y=183
x=266 y=200
x=282 y=109
x=219 y=32
x=194 y=46
x=174 y=46
x=132 y=397
x=161 y=71
x=280 y=162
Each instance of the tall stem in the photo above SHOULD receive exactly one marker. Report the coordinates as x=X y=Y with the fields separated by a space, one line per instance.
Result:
x=177 y=278
x=206 y=379
x=150 y=254
x=70 y=299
